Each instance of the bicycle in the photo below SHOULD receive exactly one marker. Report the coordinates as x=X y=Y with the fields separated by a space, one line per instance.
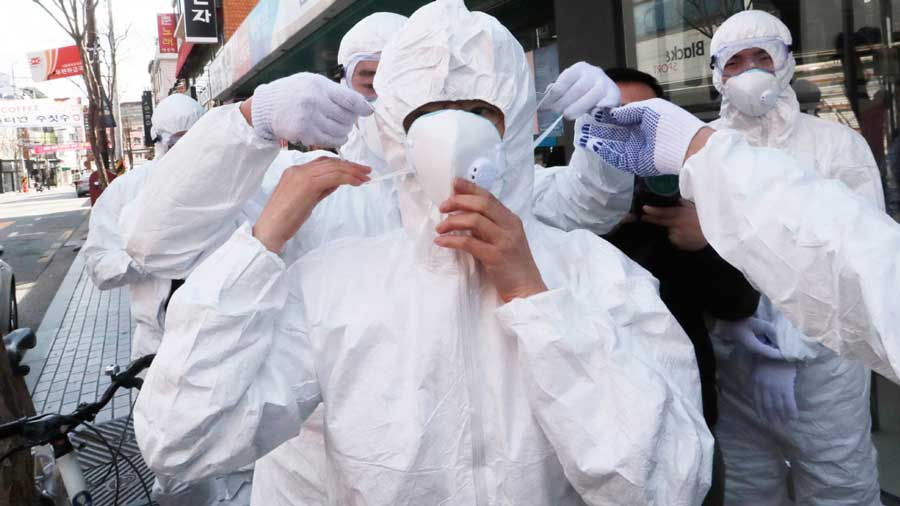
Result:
x=55 y=429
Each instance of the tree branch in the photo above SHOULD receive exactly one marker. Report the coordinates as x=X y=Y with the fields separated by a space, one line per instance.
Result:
x=71 y=32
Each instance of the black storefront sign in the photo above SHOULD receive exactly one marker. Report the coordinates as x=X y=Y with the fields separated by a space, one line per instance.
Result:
x=147 y=114
x=199 y=21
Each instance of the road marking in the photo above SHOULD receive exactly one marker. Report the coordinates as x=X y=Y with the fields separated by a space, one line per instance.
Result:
x=58 y=244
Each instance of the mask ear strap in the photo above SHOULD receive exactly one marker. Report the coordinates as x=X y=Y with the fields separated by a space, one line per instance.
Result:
x=540 y=139
x=390 y=175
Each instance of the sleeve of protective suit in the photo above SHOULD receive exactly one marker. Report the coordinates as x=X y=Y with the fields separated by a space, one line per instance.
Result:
x=107 y=262
x=234 y=376
x=827 y=258
x=586 y=194
x=194 y=194
x=851 y=163
x=615 y=389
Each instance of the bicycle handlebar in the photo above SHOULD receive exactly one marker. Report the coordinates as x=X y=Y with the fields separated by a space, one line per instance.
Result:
x=42 y=429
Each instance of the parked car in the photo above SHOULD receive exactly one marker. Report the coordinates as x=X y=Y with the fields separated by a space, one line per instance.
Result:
x=82 y=187
x=9 y=306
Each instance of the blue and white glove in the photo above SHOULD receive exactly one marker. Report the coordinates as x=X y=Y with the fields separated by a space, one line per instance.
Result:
x=772 y=376
x=646 y=138
x=580 y=89
x=307 y=108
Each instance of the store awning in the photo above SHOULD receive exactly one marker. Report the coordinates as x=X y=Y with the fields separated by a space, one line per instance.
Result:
x=183 y=53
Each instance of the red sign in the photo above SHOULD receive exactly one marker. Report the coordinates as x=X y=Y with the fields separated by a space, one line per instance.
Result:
x=165 y=27
x=40 y=149
x=55 y=63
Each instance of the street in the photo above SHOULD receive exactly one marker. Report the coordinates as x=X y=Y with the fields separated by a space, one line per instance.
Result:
x=34 y=231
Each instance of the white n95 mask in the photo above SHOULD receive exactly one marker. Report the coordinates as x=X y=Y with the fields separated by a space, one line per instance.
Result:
x=754 y=92
x=447 y=144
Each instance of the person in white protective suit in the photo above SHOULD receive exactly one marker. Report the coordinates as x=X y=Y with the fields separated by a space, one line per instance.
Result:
x=107 y=262
x=783 y=399
x=110 y=266
x=444 y=378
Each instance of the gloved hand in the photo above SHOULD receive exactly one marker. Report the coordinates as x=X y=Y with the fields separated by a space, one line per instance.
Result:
x=581 y=88
x=772 y=376
x=773 y=389
x=307 y=108
x=647 y=138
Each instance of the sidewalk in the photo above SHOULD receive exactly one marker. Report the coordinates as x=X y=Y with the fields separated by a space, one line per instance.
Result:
x=13 y=196
x=83 y=331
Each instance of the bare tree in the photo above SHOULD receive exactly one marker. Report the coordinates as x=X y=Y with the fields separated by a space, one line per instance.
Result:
x=109 y=57
x=700 y=17
x=77 y=18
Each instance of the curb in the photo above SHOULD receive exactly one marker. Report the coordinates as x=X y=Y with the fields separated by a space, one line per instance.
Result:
x=52 y=321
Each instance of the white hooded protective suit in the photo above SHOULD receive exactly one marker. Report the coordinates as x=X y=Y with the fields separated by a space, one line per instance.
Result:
x=433 y=392
x=829 y=447
x=108 y=264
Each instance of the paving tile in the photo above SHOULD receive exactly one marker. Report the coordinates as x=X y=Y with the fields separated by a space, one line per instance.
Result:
x=94 y=331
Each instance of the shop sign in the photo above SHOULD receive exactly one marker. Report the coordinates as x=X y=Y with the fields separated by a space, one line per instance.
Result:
x=41 y=149
x=165 y=29
x=55 y=64
x=673 y=58
x=147 y=116
x=200 y=21
x=42 y=112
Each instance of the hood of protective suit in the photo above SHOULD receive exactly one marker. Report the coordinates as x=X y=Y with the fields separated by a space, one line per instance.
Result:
x=366 y=40
x=448 y=53
x=175 y=113
x=775 y=126
x=369 y=35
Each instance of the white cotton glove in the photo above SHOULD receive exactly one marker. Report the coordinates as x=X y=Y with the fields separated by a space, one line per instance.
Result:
x=307 y=108
x=647 y=138
x=772 y=376
x=581 y=88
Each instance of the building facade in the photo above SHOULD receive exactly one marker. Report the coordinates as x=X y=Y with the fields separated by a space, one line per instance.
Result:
x=162 y=75
x=132 y=124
